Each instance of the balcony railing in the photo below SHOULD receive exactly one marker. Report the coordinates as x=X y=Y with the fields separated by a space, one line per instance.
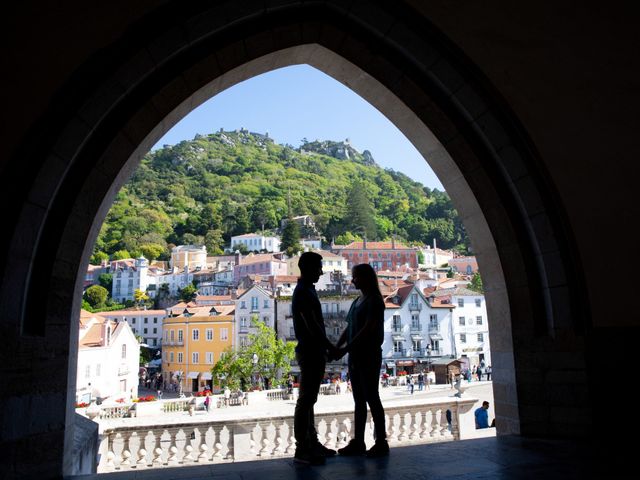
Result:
x=397 y=329
x=415 y=307
x=434 y=327
x=143 y=447
x=400 y=354
x=416 y=327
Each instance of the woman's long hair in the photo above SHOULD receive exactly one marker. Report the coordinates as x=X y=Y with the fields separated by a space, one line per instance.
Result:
x=368 y=276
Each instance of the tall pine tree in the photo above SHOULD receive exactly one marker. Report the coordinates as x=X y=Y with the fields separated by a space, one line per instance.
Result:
x=360 y=217
x=291 y=238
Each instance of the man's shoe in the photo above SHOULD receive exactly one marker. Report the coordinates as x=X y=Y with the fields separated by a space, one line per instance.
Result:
x=379 y=449
x=354 y=448
x=324 y=451
x=306 y=457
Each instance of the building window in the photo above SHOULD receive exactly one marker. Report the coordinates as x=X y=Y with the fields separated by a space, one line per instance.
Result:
x=224 y=334
x=478 y=302
x=124 y=351
x=180 y=339
x=145 y=330
x=265 y=320
x=243 y=304
x=243 y=322
x=397 y=346
x=209 y=334
x=195 y=358
x=292 y=332
x=155 y=330
x=243 y=341
x=146 y=320
x=210 y=358
x=415 y=322
x=180 y=357
x=481 y=337
x=170 y=356
x=463 y=338
x=461 y=320
x=133 y=321
x=155 y=319
x=479 y=320
x=172 y=336
x=195 y=334
x=433 y=318
x=266 y=304
x=254 y=303
x=461 y=302
x=397 y=323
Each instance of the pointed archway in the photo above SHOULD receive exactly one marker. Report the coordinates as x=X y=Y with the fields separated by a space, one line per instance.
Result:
x=129 y=94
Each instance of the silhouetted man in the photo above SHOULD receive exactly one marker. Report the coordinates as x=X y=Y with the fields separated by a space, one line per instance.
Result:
x=311 y=353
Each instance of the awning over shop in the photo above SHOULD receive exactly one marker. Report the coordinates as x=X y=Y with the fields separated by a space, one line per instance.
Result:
x=416 y=337
x=435 y=336
x=398 y=338
x=206 y=376
x=406 y=363
x=192 y=374
x=391 y=364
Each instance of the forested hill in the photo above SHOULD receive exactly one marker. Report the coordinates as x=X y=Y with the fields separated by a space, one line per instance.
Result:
x=205 y=190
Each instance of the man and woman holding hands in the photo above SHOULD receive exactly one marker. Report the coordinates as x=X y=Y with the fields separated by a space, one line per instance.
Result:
x=362 y=340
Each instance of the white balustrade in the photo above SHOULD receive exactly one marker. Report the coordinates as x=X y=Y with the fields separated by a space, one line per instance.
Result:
x=125 y=448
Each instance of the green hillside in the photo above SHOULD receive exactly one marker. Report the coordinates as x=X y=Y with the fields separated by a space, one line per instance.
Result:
x=228 y=183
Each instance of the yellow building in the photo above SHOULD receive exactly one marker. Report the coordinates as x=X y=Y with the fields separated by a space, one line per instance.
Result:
x=193 y=341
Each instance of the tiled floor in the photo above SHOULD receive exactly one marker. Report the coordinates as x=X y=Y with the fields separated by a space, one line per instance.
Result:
x=504 y=457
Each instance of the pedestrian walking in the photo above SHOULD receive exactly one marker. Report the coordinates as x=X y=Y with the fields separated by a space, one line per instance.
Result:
x=207 y=402
x=420 y=381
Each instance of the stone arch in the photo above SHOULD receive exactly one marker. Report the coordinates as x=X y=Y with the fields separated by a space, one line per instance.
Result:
x=127 y=96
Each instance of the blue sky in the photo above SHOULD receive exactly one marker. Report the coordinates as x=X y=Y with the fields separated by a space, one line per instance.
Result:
x=299 y=102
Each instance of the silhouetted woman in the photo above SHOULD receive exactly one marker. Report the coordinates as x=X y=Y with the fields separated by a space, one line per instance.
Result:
x=363 y=337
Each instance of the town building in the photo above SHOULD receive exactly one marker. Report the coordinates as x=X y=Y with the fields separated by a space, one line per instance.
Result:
x=259 y=264
x=144 y=323
x=469 y=324
x=194 y=338
x=108 y=359
x=254 y=242
x=188 y=257
x=464 y=265
x=380 y=255
x=255 y=304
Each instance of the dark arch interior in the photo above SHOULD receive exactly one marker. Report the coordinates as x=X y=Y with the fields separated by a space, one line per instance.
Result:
x=132 y=84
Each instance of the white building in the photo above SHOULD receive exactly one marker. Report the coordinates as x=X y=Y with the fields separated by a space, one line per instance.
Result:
x=255 y=303
x=331 y=264
x=108 y=359
x=469 y=327
x=255 y=242
x=130 y=275
x=144 y=323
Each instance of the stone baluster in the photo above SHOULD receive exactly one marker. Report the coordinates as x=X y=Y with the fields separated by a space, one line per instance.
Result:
x=321 y=428
x=204 y=456
x=455 y=428
x=425 y=433
x=394 y=427
x=126 y=450
x=435 y=427
x=110 y=460
x=282 y=431
x=416 y=427
x=142 y=457
x=444 y=424
x=265 y=451
x=292 y=439
x=172 y=459
x=405 y=425
x=331 y=433
x=343 y=432
x=216 y=446
x=157 y=451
